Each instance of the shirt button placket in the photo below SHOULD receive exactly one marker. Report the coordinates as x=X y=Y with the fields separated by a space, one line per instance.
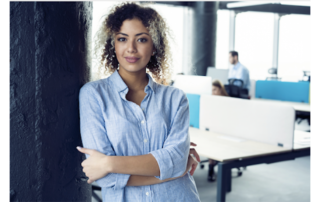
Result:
x=144 y=130
x=145 y=136
x=148 y=194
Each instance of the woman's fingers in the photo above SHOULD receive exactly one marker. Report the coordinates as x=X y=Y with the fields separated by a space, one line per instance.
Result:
x=193 y=168
x=193 y=165
x=195 y=153
x=90 y=181
x=193 y=144
x=85 y=151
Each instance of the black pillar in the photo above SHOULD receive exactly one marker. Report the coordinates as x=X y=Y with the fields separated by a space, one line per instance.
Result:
x=204 y=31
x=49 y=62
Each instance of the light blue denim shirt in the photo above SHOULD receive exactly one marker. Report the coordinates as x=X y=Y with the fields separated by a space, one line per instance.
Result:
x=238 y=71
x=117 y=127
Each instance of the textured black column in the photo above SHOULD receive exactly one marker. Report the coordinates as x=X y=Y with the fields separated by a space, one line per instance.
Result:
x=49 y=62
x=204 y=31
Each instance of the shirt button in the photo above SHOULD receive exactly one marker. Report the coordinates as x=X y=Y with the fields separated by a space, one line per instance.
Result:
x=147 y=193
x=142 y=121
x=145 y=140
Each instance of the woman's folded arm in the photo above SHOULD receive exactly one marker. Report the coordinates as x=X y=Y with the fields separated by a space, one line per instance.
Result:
x=167 y=162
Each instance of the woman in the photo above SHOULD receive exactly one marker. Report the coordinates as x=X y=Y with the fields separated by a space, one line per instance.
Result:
x=217 y=89
x=135 y=130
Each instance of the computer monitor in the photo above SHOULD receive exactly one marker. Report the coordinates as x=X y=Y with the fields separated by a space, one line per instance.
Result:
x=218 y=74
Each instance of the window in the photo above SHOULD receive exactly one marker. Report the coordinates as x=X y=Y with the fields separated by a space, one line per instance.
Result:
x=254 y=42
x=294 y=46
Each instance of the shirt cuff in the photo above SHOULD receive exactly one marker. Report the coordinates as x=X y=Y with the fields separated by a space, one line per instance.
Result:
x=121 y=181
x=165 y=163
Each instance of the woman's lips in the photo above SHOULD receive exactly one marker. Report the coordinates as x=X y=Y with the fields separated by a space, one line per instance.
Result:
x=132 y=59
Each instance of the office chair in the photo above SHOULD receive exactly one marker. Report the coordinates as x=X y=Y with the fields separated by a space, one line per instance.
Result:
x=300 y=116
x=236 y=91
x=306 y=76
x=239 y=173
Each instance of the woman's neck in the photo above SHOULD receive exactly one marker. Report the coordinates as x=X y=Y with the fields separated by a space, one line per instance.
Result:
x=135 y=81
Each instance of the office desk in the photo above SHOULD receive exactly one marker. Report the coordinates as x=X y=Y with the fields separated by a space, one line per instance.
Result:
x=300 y=107
x=235 y=152
x=301 y=140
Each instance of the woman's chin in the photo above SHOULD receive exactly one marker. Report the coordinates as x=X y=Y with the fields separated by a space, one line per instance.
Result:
x=132 y=68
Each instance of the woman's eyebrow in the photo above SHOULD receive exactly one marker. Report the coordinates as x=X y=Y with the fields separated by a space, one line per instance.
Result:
x=136 y=34
x=141 y=33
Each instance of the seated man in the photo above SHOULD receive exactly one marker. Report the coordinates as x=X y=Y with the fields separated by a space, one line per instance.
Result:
x=238 y=71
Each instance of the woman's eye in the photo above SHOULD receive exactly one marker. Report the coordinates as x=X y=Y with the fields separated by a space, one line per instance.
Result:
x=142 y=40
x=121 y=39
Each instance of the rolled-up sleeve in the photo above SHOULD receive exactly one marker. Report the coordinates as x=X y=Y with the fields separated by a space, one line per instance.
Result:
x=173 y=157
x=94 y=134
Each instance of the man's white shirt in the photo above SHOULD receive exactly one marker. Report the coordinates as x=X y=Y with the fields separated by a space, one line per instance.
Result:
x=238 y=71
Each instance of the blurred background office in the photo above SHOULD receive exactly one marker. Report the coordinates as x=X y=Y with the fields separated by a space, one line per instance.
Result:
x=273 y=42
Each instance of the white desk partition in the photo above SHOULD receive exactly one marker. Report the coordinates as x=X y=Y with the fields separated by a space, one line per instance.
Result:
x=218 y=74
x=252 y=91
x=194 y=84
x=247 y=119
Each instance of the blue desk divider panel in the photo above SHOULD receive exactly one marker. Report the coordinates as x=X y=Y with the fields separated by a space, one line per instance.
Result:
x=284 y=91
x=194 y=109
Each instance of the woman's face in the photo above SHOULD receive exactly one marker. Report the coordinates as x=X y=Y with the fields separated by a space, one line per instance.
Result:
x=133 y=46
x=216 y=90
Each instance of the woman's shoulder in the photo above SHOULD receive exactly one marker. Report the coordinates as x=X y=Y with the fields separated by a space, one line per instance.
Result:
x=170 y=91
x=94 y=86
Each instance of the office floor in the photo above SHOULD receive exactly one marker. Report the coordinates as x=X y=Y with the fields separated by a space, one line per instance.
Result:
x=287 y=181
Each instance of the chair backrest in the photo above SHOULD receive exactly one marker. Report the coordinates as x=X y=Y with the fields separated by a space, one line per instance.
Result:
x=253 y=120
x=234 y=90
x=194 y=84
x=236 y=82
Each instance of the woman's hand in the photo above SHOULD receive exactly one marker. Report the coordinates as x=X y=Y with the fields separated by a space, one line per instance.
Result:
x=95 y=166
x=192 y=162
x=194 y=152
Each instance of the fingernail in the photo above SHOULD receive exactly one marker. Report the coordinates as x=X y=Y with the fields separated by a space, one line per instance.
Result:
x=79 y=148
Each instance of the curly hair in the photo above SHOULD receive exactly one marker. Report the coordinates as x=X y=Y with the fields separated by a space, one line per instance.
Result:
x=159 y=64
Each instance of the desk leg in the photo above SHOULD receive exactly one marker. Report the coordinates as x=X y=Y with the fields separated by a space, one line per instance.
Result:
x=222 y=182
x=229 y=180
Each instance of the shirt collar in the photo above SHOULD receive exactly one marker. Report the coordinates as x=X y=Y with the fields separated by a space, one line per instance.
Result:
x=121 y=86
x=236 y=66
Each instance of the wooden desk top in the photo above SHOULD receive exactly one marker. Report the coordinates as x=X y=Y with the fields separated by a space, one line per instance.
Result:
x=301 y=140
x=303 y=107
x=225 y=148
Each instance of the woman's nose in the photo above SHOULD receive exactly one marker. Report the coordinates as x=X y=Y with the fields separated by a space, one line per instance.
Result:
x=131 y=47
